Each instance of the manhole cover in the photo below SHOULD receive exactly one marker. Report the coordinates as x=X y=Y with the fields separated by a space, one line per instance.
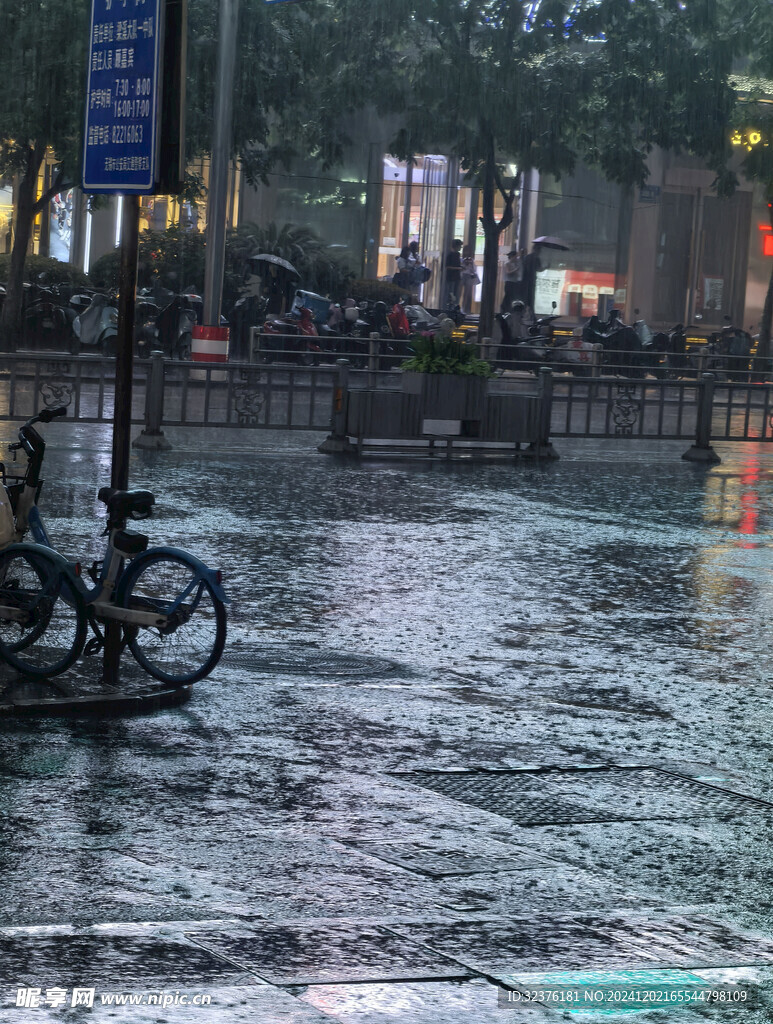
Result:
x=116 y=961
x=313 y=954
x=590 y=942
x=308 y=661
x=437 y=862
x=557 y=796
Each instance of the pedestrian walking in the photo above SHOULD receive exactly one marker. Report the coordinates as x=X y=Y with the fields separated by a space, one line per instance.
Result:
x=513 y=277
x=453 y=273
x=469 y=279
x=403 y=275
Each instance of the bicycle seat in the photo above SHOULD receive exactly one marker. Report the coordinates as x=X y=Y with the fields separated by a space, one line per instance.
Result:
x=124 y=504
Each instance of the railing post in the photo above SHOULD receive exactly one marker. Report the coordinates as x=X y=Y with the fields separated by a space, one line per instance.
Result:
x=542 y=448
x=337 y=440
x=596 y=362
x=702 y=451
x=700 y=359
x=152 y=435
x=254 y=348
x=485 y=349
x=374 y=348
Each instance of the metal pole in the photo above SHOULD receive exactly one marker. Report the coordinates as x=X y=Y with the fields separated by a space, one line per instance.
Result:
x=218 y=170
x=337 y=440
x=702 y=451
x=124 y=359
x=154 y=399
x=546 y=403
x=340 y=399
x=152 y=436
x=374 y=348
x=406 y=228
x=542 y=448
x=705 y=409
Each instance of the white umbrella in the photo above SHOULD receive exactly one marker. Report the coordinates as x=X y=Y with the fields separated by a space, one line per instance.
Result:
x=267 y=257
x=551 y=242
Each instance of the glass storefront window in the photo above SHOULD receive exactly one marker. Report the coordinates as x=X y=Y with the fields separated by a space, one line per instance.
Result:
x=6 y=217
x=415 y=207
x=60 y=226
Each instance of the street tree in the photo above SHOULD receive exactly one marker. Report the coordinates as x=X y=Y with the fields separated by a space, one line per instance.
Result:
x=280 y=107
x=42 y=67
x=546 y=84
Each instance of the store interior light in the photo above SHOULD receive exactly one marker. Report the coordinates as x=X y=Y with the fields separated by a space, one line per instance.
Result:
x=118 y=216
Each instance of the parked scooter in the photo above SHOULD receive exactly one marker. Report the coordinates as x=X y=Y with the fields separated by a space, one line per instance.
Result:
x=146 y=314
x=345 y=333
x=521 y=347
x=291 y=339
x=728 y=353
x=669 y=358
x=97 y=327
x=622 y=347
x=47 y=323
x=175 y=323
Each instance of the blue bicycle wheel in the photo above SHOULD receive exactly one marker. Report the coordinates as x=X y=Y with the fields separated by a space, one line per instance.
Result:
x=42 y=615
x=187 y=642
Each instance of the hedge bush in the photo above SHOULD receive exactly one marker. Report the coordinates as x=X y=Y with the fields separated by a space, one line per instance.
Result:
x=46 y=270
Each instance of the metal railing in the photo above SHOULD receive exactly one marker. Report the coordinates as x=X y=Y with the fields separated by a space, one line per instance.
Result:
x=624 y=408
x=663 y=409
x=85 y=384
x=294 y=396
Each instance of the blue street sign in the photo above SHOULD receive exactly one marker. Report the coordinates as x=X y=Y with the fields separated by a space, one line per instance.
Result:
x=121 y=135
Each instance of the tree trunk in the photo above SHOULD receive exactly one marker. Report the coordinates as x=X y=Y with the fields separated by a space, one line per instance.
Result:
x=492 y=229
x=490 y=251
x=12 y=318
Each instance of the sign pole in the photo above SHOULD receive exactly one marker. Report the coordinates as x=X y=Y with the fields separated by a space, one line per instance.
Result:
x=124 y=359
x=133 y=146
x=122 y=409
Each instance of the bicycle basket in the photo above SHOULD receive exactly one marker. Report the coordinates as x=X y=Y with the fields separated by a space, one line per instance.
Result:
x=7 y=528
x=14 y=484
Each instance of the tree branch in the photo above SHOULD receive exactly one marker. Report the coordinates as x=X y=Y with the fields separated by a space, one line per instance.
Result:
x=59 y=184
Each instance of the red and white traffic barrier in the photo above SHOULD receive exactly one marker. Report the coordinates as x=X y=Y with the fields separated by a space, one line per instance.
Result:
x=209 y=345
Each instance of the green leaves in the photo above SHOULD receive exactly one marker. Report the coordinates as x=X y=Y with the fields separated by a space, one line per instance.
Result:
x=439 y=354
x=43 y=67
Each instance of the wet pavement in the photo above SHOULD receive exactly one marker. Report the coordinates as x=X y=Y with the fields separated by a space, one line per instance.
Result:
x=479 y=728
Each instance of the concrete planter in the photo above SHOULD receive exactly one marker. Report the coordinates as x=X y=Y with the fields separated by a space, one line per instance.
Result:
x=429 y=407
x=447 y=396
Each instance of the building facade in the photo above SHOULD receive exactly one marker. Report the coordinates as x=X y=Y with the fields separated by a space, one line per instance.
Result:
x=670 y=252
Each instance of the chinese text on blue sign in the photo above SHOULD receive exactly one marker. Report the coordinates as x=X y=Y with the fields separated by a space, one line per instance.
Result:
x=120 y=142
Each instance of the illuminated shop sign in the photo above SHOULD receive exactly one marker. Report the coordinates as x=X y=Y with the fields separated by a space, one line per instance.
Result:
x=749 y=139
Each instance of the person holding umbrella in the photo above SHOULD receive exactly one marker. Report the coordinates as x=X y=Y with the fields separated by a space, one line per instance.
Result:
x=532 y=264
x=530 y=267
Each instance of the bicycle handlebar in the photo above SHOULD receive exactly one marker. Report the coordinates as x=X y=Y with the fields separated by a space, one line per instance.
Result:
x=44 y=416
x=48 y=414
x=29 y=439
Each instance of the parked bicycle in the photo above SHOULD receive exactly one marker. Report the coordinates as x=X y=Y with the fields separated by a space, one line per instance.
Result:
x=170 y=605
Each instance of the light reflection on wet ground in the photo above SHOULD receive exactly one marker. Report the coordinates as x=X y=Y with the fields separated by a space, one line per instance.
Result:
x=614 y=607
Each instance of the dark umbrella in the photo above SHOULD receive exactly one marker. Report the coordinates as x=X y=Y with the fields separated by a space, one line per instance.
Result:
x=267 y=257
x=550 y=242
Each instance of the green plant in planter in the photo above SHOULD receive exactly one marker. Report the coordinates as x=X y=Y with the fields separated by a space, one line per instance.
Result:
x=440 y=354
